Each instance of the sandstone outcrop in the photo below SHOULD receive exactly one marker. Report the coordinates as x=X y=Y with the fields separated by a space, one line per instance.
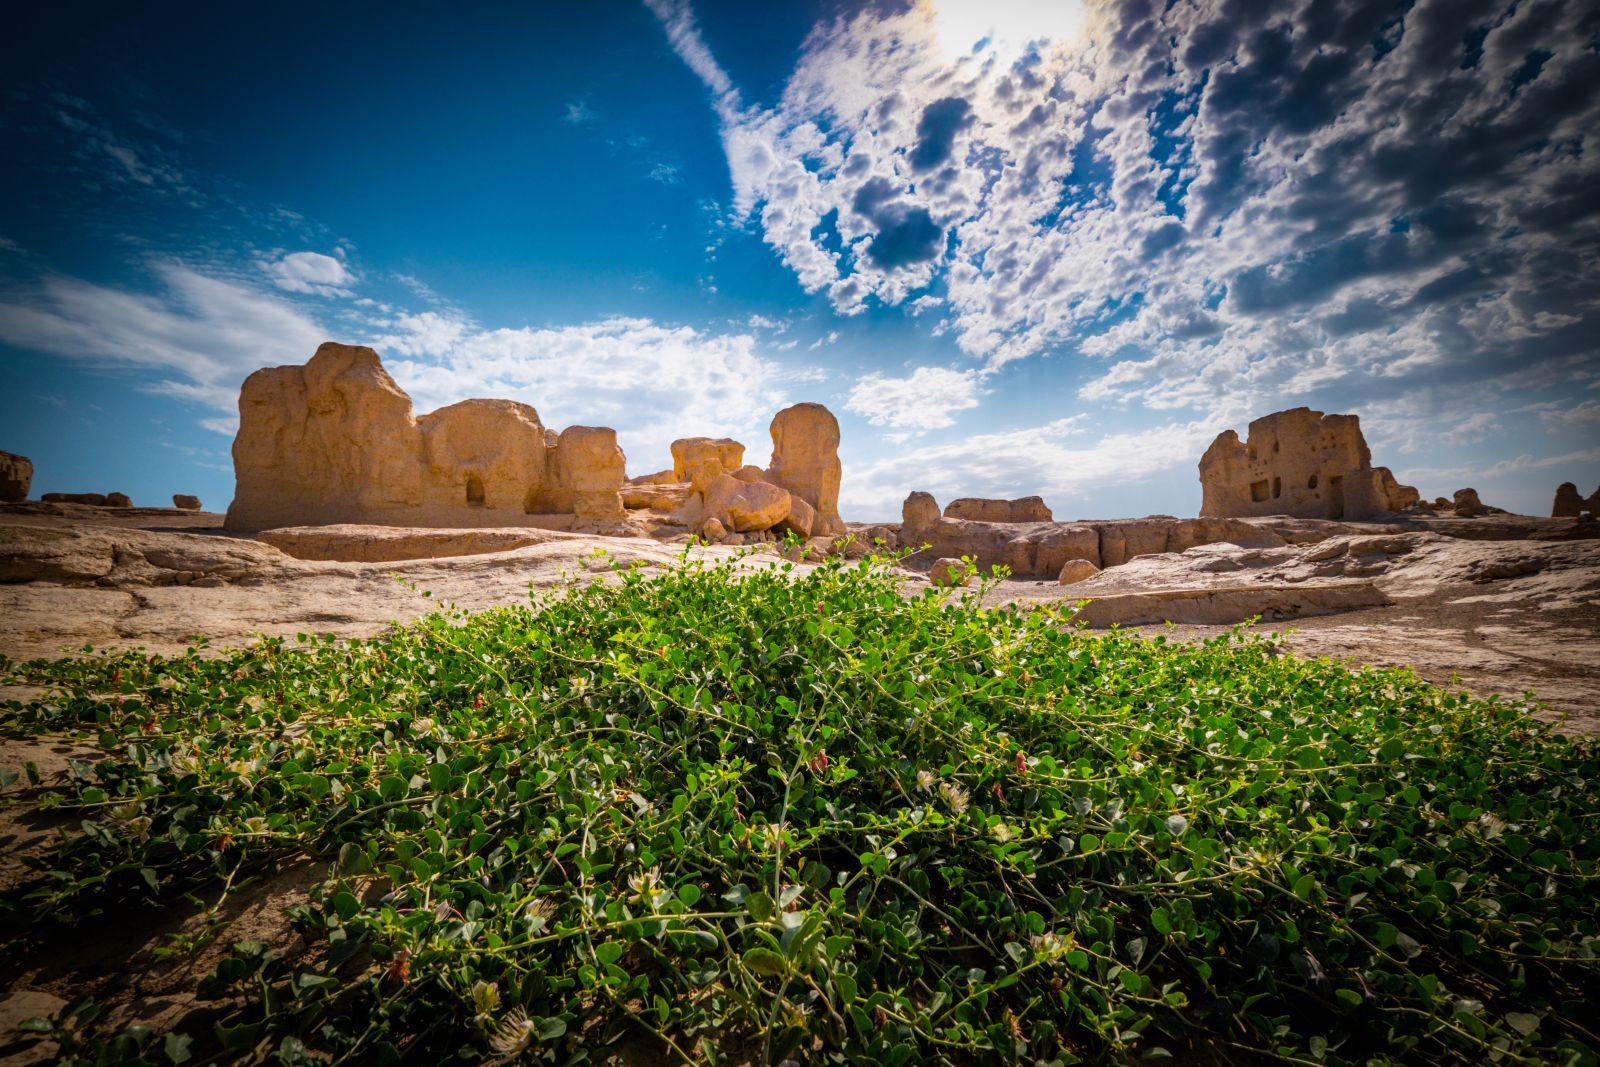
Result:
x=1042 y=549
x=1300 y=463
x=805 y=461
x=949 y=572
x=746 y=506
x=185 y=502
x=1570 y=504
x=700 y=460
x=983 y=509
x=1076 y=570
x=1467 y=505
x=99 y=500
x=335 y=441
x=16 y=477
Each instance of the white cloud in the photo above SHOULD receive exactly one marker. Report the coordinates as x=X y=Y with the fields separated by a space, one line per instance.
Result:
x=1226 y=215
x=1581 y=414
x=651 y=382
x=206 y=332
x=1052 y=460
x=923 y=400
x=311 y=273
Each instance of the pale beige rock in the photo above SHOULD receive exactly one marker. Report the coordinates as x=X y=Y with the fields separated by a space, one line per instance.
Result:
x=185 y=502
x=745 y=506
x=984 y=509
x=379 y=544
x=713 y=530
x=801 y=519
x=16 y=477
x=805 y=460
x=699 y=460
x=1300 y=463
x=335 y=440
x=666 y=477
x=750 y=473
x=660 y=496
x=481 y=456
x=118 y=500
x=1076 y=570
x=949 y=572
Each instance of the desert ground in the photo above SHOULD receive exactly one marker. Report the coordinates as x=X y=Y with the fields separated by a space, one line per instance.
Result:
x=1498 y=605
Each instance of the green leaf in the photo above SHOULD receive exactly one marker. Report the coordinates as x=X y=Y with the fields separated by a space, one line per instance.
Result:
x=765 y=962
x=1522 y=1022
x=1305 y=887
x=1176 y=825
x=176 y=1047
x=610 y=952
x=1348 y=998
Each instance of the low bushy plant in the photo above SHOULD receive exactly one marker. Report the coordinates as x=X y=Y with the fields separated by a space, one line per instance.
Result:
x=785 y=814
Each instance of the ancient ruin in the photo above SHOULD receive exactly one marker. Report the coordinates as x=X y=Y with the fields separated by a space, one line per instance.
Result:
x=1569 y=503
x=16 y=476
x=983 y=509
x=335 y=441
x=1300 y=463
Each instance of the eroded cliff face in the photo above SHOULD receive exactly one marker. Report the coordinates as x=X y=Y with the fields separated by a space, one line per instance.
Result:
x=335 y=441
x=1300 y=463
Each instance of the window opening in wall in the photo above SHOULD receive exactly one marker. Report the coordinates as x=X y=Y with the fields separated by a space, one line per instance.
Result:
x=1336 y=497
x=1258 y=490
x=1277 y=488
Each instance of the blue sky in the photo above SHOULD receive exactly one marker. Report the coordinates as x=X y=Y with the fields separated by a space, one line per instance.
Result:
x=1018 y=247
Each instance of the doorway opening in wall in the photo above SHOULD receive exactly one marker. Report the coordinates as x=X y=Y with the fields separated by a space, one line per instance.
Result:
x=1258 y=491
x=474 y=491
x=1336 y=496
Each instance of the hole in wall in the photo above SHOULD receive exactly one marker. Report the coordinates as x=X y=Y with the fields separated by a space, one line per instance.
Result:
x=474 y=491
x=1277 y=488
x=1312 y=483
x=1258 y=491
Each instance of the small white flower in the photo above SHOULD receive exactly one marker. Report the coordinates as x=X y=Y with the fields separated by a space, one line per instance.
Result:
x=955 y=797
x=422 y=727
x=537 y=913
x=646 y=886
x=925 y=780
x=514 y=1034
x=1002 y=832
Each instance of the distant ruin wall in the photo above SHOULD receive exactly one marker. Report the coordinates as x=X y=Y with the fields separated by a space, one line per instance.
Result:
x=1299 y=463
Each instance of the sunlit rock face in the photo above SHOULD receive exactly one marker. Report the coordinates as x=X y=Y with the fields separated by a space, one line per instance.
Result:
x=335 y=441
x=1300 y=463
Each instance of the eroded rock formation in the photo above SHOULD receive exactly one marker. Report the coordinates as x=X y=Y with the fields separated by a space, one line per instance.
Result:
x=335 y=441
x=185 y=502
x=1043 y=549
x=983 y=509
x=1570 y=503
x=1300 y=463
x=16 y=476
x=100 y=500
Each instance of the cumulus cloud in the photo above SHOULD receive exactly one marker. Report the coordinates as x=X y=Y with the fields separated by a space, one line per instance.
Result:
x=311 y=273
x=1355 y=199
x=200 y=336
x=923 y=400
x=650 y=381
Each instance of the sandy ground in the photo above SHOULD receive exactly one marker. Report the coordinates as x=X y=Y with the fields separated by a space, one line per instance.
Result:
x=1493 y=616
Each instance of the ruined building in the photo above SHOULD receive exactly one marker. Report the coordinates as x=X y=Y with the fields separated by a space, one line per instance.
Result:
x=1300 y=463
x=335 y=441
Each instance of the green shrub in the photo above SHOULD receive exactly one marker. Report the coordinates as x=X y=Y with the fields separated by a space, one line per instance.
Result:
x=797 y=815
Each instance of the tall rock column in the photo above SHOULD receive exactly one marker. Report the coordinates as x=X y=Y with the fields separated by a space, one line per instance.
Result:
x=805 y=461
